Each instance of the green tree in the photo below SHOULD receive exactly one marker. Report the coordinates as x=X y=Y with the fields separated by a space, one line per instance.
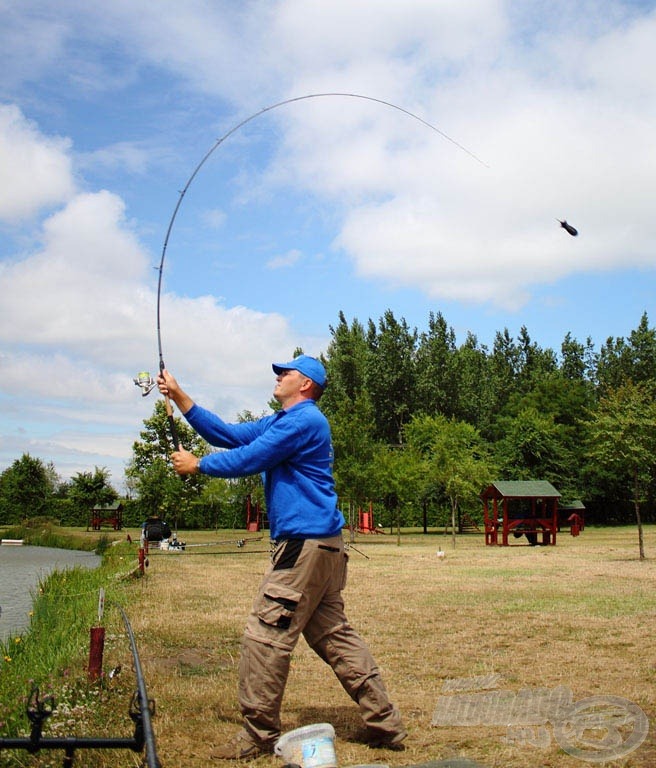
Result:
x=436 y=368
x=155 y=439
x=532 y=447
x=612 y=371
x=535 y=363
x=395 y=480
x=150 y=475
x=348 y=408
x=160 y=491
x=542 y=431
x=457 y=464
x=223 y=501
x=503 y=369
x=390 y=376
x=578 y=361
x=633 y=359
x=622 y=439
x=27 y=489
x=85 y=491
x=474 y=391
x=346 y=364
x=642 y=353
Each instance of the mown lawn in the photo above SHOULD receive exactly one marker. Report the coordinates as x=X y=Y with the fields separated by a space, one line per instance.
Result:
x=481 y=650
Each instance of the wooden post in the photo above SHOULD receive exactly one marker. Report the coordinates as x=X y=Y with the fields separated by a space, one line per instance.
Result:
x=96 y=649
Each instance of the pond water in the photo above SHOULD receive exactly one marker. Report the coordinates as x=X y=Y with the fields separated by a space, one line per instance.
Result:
x=21 y=570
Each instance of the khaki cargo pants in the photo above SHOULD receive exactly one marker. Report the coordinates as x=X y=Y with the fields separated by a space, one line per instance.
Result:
x=301 y=593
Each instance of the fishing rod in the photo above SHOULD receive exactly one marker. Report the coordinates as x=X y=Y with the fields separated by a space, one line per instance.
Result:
x=182 y=545
x=237 y=542
x=162 y=552
x=144 y=380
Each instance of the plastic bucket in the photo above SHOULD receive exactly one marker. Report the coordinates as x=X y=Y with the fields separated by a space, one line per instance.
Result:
x=312 y=746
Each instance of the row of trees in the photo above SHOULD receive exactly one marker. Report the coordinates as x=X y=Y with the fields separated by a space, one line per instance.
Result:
x=418 y=419
x=421 y=424
x=30 y=488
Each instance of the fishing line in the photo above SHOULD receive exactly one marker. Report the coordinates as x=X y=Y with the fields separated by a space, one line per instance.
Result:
x=143 y=380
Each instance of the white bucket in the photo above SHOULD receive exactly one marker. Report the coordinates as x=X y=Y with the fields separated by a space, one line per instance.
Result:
x=312 y=746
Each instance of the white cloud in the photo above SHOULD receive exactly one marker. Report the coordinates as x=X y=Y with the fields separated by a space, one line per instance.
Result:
x=214 y=218
x=123 y=155
x=83 y=287
x=343 y=34
x=285 y=260
x=554 y=118
x=20 y=62
x=35 y=171
x=83 y=303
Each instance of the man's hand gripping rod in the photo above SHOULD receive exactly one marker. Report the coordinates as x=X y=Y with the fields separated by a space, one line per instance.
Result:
x=169 y=414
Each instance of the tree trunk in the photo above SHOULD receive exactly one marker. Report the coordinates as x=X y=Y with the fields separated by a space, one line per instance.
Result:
x=636 y=504
x=454 y=509
x=641 y=541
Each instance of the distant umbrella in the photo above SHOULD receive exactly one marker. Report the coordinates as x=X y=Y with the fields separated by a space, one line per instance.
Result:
x=569 y=228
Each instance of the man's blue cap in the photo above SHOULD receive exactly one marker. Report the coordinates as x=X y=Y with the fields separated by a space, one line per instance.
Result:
x=308 y=366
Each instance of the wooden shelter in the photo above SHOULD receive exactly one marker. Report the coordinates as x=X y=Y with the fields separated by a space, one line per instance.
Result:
x=106 y=514
x=520 y=507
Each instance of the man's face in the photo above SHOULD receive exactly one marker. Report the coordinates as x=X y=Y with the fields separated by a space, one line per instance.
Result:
x=288 y=385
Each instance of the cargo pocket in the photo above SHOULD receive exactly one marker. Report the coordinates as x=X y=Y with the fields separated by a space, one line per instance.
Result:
x=278 y=606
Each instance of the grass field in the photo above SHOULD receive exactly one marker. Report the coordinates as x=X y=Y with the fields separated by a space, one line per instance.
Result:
x=488 y=642
x=521 y=623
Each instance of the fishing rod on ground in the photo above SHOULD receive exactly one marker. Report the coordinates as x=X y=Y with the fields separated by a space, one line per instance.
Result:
x=183 y=546
x=348 y=546
x=144 y=380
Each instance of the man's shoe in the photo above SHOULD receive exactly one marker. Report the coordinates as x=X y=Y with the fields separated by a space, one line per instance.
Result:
x=241 y=747
x=382 y=740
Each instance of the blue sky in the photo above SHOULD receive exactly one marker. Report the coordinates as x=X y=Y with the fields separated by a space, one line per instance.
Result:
x=319 y=206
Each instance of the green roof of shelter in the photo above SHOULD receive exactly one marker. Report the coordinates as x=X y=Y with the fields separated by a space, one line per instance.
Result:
x=521 y=489
x=115 y=505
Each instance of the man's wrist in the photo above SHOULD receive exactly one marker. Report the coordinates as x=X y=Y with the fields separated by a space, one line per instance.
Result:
x=197 y=470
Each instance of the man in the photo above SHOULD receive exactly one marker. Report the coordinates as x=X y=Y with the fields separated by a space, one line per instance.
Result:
x=301 y=592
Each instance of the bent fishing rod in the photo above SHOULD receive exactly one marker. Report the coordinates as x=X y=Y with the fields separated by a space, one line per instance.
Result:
x=143 y=379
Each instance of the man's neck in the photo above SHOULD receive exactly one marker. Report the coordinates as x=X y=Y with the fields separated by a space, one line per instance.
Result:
x=292 y=401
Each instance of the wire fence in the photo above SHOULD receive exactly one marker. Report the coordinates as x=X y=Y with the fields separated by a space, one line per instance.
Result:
x=141 y=711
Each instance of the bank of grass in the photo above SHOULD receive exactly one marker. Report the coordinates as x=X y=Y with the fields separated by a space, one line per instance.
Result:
x=579 y=615
x=42 y=532
x=50 y=659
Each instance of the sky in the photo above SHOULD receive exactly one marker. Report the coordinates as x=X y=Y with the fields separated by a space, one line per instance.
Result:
x=436 y=185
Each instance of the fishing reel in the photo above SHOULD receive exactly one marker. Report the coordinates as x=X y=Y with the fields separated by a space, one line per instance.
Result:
x=145 y=382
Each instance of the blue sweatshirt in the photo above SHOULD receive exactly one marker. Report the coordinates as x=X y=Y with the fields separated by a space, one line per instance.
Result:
x=294 y=451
